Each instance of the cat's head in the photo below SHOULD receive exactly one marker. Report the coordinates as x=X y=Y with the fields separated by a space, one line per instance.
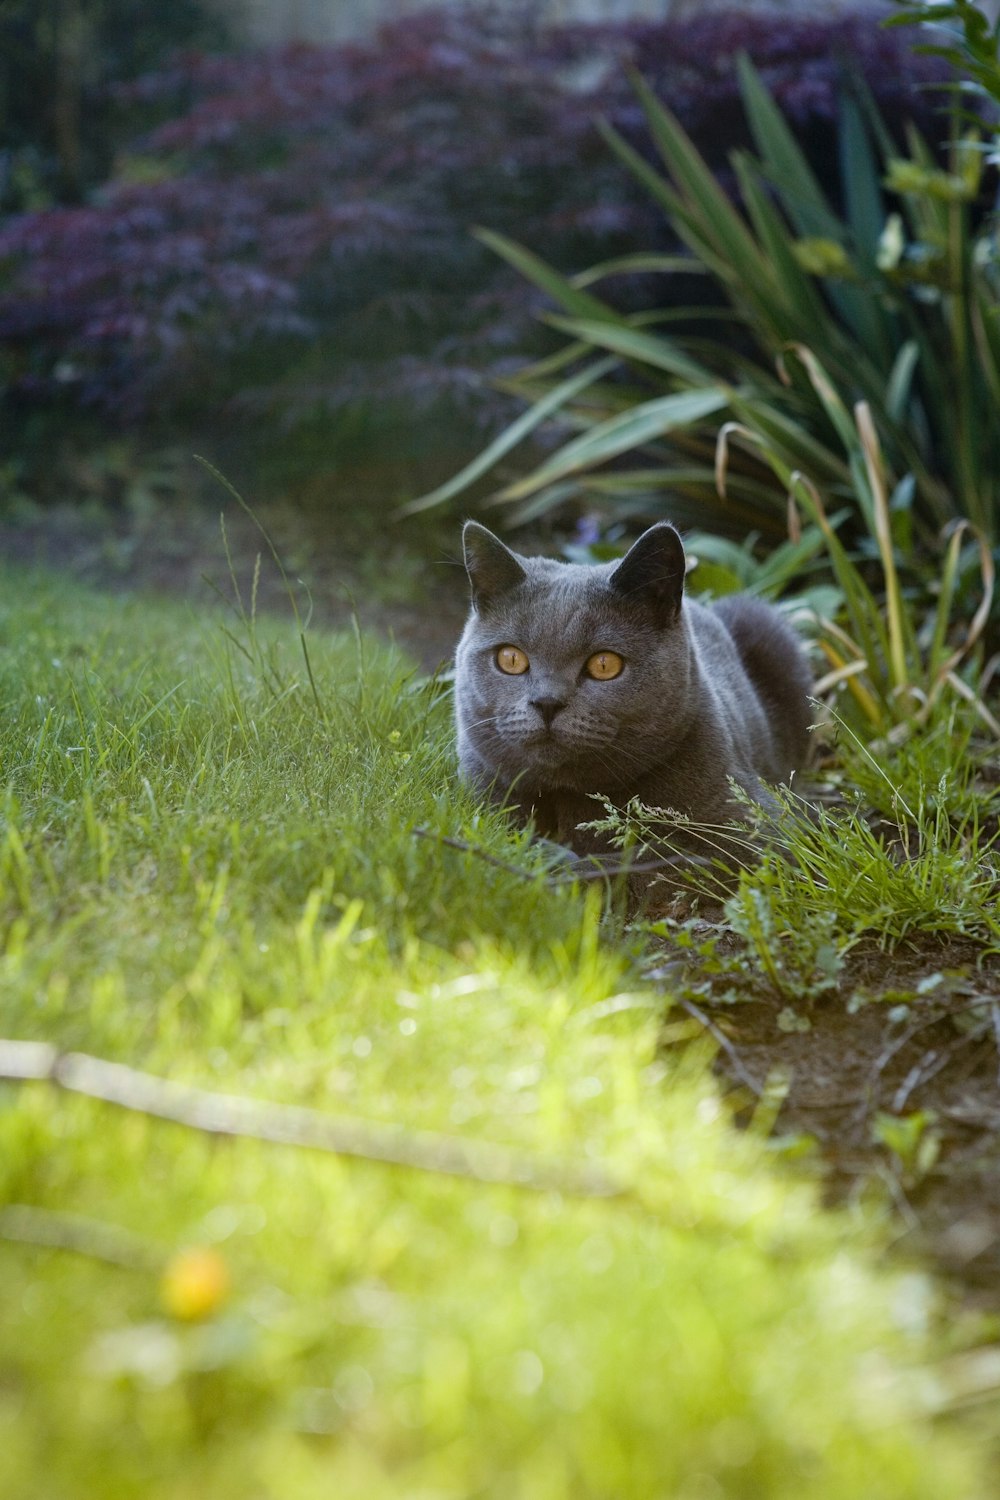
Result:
x=561 y=670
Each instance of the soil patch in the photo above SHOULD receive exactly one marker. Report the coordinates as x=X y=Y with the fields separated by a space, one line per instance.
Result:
x=896 y=1079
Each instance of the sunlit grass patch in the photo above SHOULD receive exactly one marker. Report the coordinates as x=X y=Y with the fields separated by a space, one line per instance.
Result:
x=210 y=873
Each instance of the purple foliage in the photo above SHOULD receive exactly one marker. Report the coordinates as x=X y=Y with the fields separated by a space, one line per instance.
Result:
x=293 y=237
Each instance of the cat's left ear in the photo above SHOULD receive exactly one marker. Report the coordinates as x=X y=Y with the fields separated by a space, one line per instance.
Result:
x=493 y=568
x=652 y=572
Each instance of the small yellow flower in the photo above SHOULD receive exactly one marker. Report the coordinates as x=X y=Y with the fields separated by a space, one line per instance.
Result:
x=195 y=1284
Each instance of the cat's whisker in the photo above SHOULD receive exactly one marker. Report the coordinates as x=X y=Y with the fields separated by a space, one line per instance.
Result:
x=614 y=757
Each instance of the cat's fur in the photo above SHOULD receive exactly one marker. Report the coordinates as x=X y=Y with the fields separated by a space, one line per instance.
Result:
x=706 y=693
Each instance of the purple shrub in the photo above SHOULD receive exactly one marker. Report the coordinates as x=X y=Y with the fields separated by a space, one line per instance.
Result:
x=292 y=241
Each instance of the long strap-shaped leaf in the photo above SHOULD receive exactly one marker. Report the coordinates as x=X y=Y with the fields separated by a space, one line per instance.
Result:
x=631 y=343
x=620 y=434
x=702 y=213
x=525 y=424
x=580 y=303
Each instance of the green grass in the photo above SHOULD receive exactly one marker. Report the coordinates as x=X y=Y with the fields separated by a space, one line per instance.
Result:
x=209 y=871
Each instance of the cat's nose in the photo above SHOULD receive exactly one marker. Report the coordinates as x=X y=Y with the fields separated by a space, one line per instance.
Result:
x=548 y=708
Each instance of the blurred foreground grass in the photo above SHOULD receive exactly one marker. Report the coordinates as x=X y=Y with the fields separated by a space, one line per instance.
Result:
x=209 y=872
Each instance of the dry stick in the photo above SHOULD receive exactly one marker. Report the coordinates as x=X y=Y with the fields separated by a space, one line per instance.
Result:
x=932 y=1063
x=292 y=1125
x=869 y=1097
x=54 y=1230
x=578 y=868
x=483 y=854
x=719 y=1036
x=870 y=1094
x=918 y=1074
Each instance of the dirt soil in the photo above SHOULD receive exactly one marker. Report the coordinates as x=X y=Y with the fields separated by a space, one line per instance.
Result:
x=911 y=1038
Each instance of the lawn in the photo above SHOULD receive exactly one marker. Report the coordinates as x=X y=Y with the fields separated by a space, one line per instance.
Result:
x=579 y=1280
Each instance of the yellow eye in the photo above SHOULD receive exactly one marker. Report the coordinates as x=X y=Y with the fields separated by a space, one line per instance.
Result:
x=512 y=660
x=604 y=665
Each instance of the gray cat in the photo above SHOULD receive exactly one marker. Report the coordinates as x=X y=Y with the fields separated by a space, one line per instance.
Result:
x=573 y=680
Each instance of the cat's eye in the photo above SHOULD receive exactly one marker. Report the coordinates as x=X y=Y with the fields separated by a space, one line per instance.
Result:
x=604 y=665
x=512 y=660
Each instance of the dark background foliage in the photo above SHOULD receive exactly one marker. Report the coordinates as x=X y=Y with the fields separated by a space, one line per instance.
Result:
x=59 y=63
x=281 y=248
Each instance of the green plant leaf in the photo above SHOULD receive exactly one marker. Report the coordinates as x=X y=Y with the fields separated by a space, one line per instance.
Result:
x=641 y=263
x=900 y=382
x=702 y=213
x=629 y=430
x=783 y=160
x=511 y=436
x=560 y=288
x=860 y=174
x=646 y=348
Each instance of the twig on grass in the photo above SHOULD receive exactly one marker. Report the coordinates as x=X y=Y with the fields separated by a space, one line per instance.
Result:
x=576 y=867
x=718 y=1035
x=293 y=1125
x=483 y=854
x=51 y=1229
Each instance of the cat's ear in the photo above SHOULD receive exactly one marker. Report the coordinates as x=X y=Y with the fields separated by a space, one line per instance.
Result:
x=492 y=568
x=652 y=572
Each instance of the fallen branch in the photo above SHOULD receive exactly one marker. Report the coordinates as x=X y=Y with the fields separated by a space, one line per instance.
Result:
x=54 y=1230
x=483 y=854
x=574 y=867
x=292 y=1125
x=719 y=1036
x=933 y=1062
x=868 y=1099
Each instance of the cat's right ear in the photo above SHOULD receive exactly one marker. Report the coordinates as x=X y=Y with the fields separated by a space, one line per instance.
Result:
x=492 y=568
x=652 y=572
